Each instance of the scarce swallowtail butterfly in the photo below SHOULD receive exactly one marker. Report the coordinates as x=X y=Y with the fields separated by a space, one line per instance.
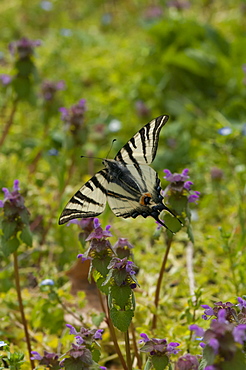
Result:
x=130 y=186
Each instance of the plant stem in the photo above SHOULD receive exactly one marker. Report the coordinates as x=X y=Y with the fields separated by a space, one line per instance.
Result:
x=128 y=350
x=8 y=123
x=23 y=318
x=158 y=286
x=114 y=339
x=136 y=350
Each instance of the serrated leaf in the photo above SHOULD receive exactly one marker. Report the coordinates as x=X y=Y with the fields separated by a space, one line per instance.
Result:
x=9 y=229
x=101 y=265
x=159 y=362
x=119 y=276
x=26 y=236
x=121 y=294
x=9 y=246
x=121 y=319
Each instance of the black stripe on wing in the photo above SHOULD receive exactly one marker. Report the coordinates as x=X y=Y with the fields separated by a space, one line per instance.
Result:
x=89 y=201
x=142 y=147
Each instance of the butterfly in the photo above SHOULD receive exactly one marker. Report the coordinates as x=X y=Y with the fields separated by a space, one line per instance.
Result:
x=127 y=182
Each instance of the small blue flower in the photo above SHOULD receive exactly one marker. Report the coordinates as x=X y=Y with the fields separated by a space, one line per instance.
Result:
x=224 y=131
x=47 y=282
x=53 y=152
x=2 y=343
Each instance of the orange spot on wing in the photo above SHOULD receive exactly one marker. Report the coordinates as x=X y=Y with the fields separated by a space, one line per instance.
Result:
x=143 y=197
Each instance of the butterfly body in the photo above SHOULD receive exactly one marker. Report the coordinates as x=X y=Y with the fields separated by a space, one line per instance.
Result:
x=127 y=182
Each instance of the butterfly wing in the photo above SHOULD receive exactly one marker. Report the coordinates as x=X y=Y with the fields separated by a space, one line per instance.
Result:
x=89 y=201
x=129 y=201
x=142 y=147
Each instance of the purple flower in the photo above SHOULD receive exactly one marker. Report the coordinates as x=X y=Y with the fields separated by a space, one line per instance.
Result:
x=187 y=362
x=23 y=47
x=99 y=233
x=85 y=335
x=83 y=257
x=144 y=339
x=241 y=303
x=155 y=346
x=223 y=312
x=239 y=333
x=214 y=344
x=49 y=89
x=122 y=264
x=176 y=177
x=199 y=331
x=6 y=79
x=13 y=197
x=179 y=184
x=74 y=116
x=36 y=356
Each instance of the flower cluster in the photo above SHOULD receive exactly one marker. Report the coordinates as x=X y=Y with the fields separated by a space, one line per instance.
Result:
x=180 y=184
x=227 y=331
x=74 y=116
x=187 y=362
x=85 y=336
x=122 y=248
x=12 y=198
x=49 y=88
x=80 y=353
x=159 y=347
x=24 y=47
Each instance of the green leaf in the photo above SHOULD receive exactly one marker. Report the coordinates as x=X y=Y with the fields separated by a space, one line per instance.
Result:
x=97 y=319
x=159 y=362
x=121 y=294
x=101 y=265
x=148 y=364
x=190 y=233
x=26 y=236
x=9 y=246
x=96 y=354
x=9 y=228
x=238 y=362
x=209 y=355
x=121 y=319
x=73 y=364
x=172 y=223
x=103 y=288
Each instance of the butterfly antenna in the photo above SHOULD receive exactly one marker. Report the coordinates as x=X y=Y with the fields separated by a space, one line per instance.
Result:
x=110 y=147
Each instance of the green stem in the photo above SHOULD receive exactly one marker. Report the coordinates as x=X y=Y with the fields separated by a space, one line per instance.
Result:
x=158 y=286
x=23 y=318
x=114 y=339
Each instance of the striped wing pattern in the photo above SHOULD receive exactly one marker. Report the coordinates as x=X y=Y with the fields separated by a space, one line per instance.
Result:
x=142 y=147
x=89 y=201
x=125 y=202
x=131 y=187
